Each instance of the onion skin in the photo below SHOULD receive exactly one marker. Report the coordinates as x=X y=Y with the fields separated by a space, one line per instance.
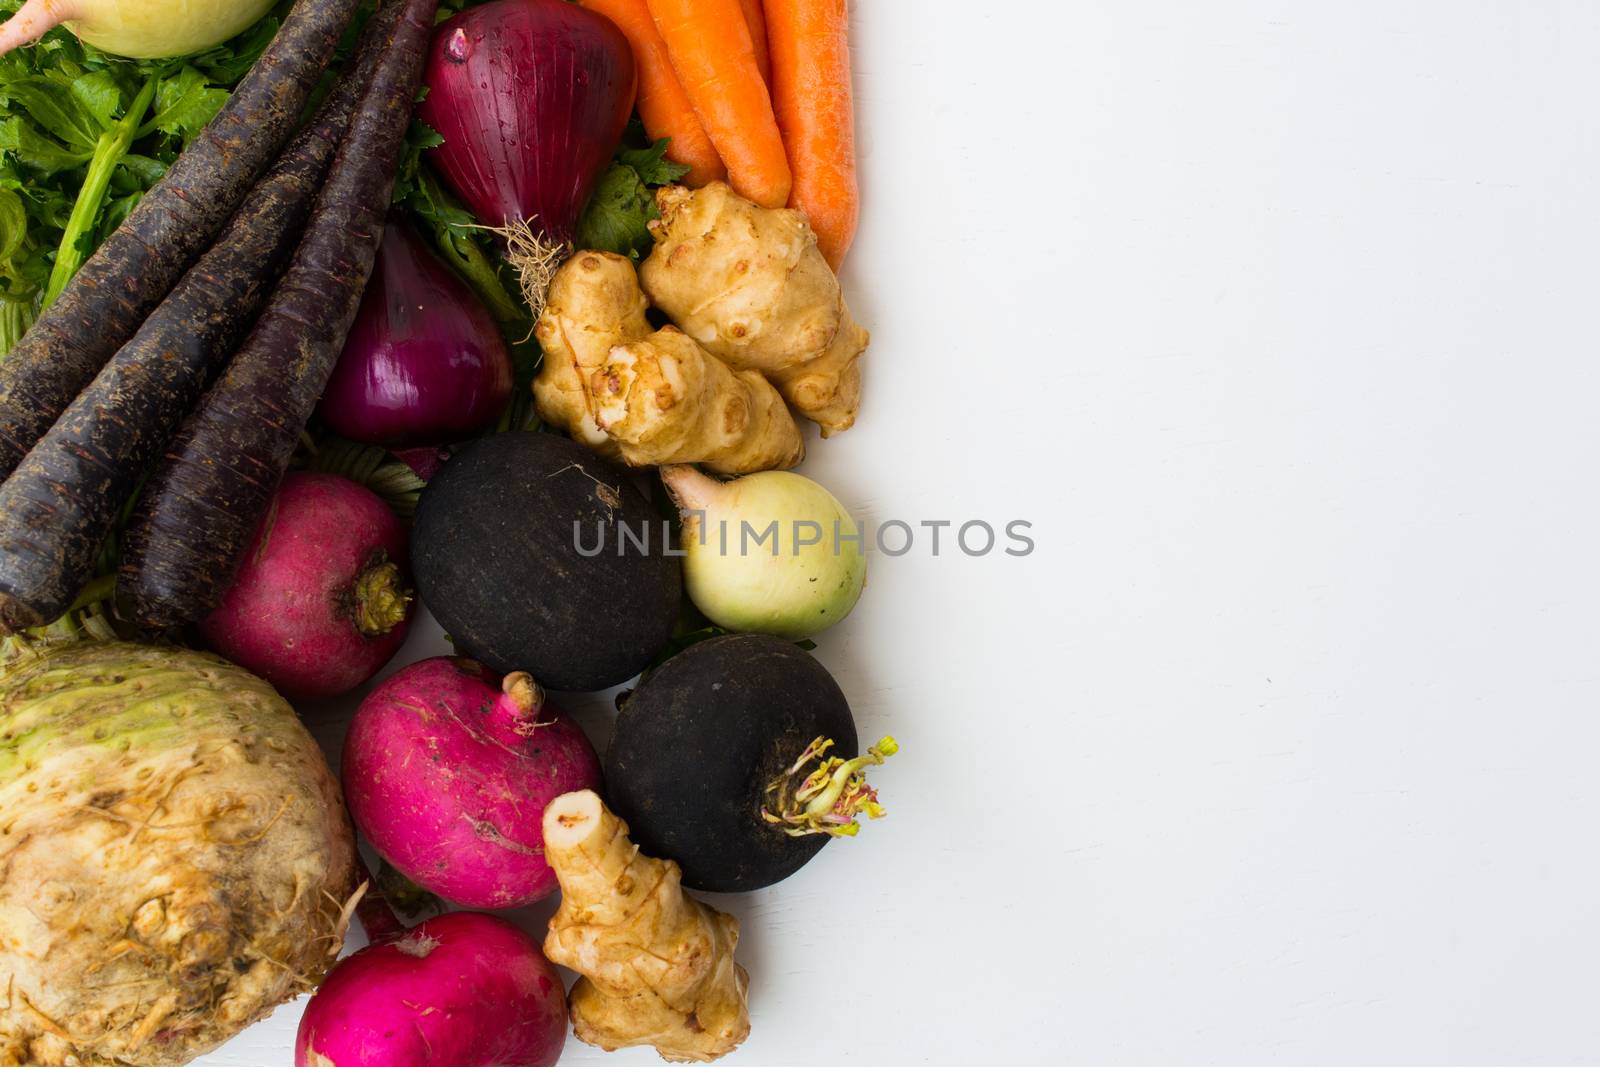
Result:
x=425 y=363
x=531 y=98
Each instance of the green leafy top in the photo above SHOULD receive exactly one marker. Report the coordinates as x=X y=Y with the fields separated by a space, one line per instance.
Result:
x=619 y=215
x=79 y=124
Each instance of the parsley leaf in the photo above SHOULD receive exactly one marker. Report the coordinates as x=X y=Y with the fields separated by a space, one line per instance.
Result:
x=619 y=215
x=83 y=135
x=652 y=164
x=185 y=103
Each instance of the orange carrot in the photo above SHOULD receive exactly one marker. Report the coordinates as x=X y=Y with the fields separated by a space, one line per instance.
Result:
x=811 y=96
x=712 y=52
x=756 y=19
x=663 y=105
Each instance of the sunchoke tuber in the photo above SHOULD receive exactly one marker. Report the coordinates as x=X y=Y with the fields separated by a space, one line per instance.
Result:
x=665 y=399
x=657 y=966
x=750 y=284
x=595 y=303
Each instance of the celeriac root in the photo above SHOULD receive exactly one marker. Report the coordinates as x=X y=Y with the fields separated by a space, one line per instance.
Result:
x=174 y=855
x=657 y=966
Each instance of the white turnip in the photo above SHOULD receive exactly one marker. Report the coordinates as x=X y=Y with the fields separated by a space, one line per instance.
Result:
x=770 y=553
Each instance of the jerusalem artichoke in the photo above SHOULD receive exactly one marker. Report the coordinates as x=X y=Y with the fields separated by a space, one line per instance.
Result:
x=657 y=966
x=750 y=284
x=665 y=400
x=594 y=304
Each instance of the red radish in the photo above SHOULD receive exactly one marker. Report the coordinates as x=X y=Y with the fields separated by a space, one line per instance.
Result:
x=321 y=601
x=531 y=98
x=425 y=364
x=448 y=774
x=461 y=990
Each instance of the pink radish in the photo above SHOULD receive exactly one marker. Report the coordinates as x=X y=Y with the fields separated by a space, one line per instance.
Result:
x=461 y=990
x=320 y=603
x=448 y=773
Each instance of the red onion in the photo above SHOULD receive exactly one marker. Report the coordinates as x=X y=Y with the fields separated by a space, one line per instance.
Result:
x=531 y=98
x=425 y=363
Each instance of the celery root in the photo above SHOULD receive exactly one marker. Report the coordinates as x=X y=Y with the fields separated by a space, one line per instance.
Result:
x=174 y=855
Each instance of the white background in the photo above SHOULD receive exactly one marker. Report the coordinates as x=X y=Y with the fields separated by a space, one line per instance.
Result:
x=1279 y=321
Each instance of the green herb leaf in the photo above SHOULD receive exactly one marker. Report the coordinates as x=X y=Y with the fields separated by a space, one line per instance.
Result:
x=55 y=110
x=100 y=96
x=13 y=224
x=620 y=212
x=618 y=217
x=185 y=103
x=652 y=164
x=64 y=122
x=34 y=150
x=143 y=170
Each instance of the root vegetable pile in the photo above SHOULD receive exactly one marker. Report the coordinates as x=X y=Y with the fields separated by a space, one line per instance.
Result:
x=140 y=263
x=221 y=470
x=576 y=263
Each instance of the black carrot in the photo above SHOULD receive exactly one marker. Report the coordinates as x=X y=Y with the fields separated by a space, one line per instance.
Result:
x=138 y=265
x=60 y=505
x=201 y=506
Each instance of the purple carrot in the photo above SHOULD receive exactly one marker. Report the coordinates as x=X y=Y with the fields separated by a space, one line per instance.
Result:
x=202 y=504
x=60 y=505
x=138 y=265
